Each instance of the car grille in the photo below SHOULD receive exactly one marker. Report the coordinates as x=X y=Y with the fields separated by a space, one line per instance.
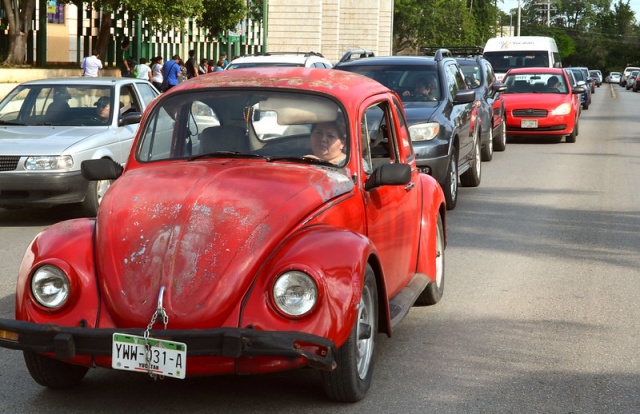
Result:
x=8 y=163
x=530 y=113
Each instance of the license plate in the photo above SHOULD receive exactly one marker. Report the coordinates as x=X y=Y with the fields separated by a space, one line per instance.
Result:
x=529 y=123
x=168 y=358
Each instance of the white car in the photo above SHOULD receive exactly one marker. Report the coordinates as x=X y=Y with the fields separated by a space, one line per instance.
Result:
x=49 y=126
x=307 y=59
x=614 y=77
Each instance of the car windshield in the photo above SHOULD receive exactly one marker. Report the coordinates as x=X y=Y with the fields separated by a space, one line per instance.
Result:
x=502 y=61
x=412 y=83
x=274 y=125
x=535 y=83
x=57 y=104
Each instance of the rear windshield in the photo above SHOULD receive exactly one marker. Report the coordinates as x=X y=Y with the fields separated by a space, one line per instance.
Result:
x=502 y=61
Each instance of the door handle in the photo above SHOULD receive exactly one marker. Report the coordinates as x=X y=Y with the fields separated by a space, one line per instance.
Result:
x=409 y=186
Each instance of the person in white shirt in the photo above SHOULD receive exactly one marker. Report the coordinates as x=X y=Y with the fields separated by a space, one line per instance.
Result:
x=91 y=64
x=156 y=72
x=142 y=70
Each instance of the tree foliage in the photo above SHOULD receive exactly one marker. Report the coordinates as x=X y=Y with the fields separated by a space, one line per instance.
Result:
x=217 y=16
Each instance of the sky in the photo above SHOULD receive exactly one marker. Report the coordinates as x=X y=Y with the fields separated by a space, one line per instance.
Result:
x=512 y=4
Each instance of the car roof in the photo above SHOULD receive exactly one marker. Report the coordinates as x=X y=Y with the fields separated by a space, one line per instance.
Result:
x=390 y=60
x=79 y=80
x=346 y=86
x=535 y=70
x=294 y=58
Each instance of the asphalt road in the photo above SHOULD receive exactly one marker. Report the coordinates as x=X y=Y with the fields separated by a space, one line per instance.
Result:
x=540 y=312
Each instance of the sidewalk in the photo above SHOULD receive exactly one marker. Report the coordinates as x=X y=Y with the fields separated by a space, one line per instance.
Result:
x=10 y=78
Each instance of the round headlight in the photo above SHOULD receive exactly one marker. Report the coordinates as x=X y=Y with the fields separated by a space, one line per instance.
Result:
x=50 y=286
x=295 y=293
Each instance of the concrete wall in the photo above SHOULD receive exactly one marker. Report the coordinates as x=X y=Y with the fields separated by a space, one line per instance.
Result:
x=331 y=27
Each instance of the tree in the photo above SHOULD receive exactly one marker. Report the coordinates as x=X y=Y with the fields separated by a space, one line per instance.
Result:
x=431 y=23
x=217 y=16
x=19 y=17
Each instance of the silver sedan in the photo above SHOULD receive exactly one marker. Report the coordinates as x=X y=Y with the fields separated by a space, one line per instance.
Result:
x=49 y=126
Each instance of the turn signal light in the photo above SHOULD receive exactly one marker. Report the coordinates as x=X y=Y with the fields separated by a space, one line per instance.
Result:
x=8 y=335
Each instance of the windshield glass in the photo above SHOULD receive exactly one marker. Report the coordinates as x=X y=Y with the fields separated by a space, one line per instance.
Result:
x=270 y=124
x=57 y=104
x=412 y=83
x=536 y=83
x=502 y=61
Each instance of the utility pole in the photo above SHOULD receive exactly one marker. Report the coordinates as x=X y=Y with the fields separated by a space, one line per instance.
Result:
x=548 y=4
x=519 y=16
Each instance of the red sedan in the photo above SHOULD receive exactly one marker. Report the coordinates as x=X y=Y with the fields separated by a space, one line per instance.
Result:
x=542 y=101
x=266 y=219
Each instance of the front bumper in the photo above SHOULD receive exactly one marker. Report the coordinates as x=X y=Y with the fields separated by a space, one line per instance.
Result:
x=68 y=342
x=42 y=188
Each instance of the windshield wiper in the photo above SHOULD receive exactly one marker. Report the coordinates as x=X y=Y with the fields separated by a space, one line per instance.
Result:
x=10 y=123
x=224 y=154
x=304 y=159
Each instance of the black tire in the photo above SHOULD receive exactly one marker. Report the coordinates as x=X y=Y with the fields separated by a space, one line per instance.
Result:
x=95 y=191
x=487 y=149
x=500 y=144
x=450 y=186
x=53 y=373
x=351 y=379
x=585 y=106
x=434 y=290
x=574 y=134
x=472 y=177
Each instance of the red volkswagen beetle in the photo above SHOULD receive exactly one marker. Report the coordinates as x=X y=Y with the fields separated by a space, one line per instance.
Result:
x=266 y=219
x=542 y=101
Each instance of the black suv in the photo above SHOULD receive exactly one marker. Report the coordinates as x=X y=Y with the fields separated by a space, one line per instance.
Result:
x=439 y=108
x=479 y=76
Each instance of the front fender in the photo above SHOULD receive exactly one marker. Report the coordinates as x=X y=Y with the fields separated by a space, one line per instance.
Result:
x=69 y=246
x=336 y=259
x=434 y=205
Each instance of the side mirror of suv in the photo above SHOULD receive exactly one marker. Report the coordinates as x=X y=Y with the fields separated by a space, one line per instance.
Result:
x=464 y=96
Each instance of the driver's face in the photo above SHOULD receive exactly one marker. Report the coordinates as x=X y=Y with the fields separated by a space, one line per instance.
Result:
x=103 y=110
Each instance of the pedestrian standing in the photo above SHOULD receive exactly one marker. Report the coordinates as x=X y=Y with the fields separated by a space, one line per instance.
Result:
x=142 y=70
x=192 y=65
x=125 y=59
x=156 y=72
x=204 y=67
x=219 y=66
x=223 y=57
x=171 y=73
x=91 y=64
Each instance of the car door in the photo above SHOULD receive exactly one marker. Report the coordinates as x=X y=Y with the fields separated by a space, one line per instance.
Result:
x=129 y=102
x=460 y=113
x=392 y=211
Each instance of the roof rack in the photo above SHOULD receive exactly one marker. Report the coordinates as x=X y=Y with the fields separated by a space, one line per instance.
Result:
x=458 y=51
x=305 y=54
x=357 y=54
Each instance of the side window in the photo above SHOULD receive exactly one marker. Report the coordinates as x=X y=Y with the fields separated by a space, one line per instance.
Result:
x=404 y=138
x=452 y=86
x=377 y=137
x=491 y=76
x=459 y=77
x=128 y=100
x=146 y=93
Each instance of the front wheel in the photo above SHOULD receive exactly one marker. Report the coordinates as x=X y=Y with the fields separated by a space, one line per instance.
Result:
x=574 y=134
x=351 y=379
x=53 y=373
x=450 y=185
x=487 y=149
x=93 y=198
x=500 y=144
x=434 y=290
x=471 y=177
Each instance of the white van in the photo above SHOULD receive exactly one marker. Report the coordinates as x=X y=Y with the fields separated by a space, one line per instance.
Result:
x=505 y=53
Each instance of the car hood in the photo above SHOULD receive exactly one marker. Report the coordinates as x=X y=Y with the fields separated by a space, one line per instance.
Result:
x=43 y=140
x=418 y=112
x=202 y=230
x=547 y=101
